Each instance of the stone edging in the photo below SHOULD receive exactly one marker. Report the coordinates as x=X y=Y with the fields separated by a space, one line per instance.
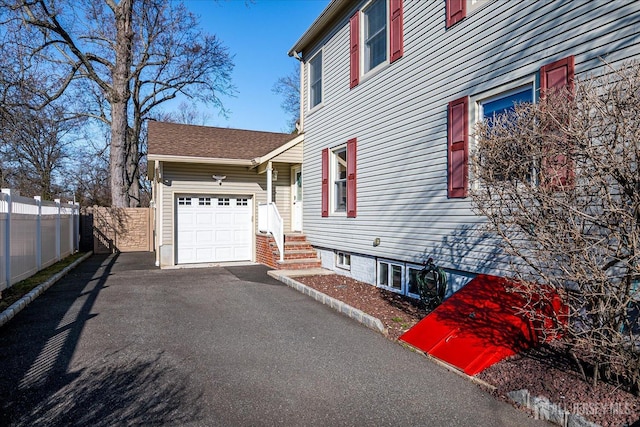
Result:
x=362 y=317
x=19 y=305
x=544 y=409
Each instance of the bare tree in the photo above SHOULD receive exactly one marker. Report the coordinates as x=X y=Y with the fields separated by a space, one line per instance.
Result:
x=34 y=146
x=186 y=113
x=559 y=183
x=137 y=54
x=289 y=88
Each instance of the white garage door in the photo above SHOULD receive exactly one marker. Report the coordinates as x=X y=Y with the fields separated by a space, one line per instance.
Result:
x=214 y=228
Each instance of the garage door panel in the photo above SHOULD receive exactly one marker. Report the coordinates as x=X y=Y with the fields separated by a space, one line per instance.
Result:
x=240 y=236
x=204 y=237
x=204 y=218
x=214 y=229
x=223 y=236
x=224 y=219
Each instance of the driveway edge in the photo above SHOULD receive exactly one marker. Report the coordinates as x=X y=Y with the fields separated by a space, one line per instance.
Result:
x=358 y=315
x=19 y=305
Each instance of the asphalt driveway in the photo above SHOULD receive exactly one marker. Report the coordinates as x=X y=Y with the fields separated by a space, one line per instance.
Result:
x=119 y=342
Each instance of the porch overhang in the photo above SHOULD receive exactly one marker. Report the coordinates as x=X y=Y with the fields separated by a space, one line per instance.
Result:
x=262 y=162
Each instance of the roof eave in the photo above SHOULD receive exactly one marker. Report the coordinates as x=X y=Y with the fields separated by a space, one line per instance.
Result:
x=257 y=161
x=327 y=16
x=193 y=159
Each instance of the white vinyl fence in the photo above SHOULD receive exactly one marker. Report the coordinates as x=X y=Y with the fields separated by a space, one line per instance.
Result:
x=34 y=234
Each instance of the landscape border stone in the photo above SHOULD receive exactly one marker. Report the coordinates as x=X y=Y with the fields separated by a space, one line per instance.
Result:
x=544 y=409
x=15 y=308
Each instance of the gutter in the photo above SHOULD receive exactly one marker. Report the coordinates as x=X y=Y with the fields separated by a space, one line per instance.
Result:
x=191 y=159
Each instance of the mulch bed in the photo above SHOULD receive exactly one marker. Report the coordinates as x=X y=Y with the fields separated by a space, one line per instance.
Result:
x=545 y=371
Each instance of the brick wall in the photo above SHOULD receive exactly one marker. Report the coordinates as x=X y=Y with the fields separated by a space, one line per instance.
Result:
x=264 y=253
x=118 y=229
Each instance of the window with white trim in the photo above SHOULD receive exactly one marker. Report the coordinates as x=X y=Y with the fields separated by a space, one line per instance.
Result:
x=501 y=101
x=343 y=260
x=242 y=202
x=223 y=202
x=412 y=280
x=315 y=80
x=204 y=201
x=391 y=276
x=184 y=201
x=504 y=103
x=374 y=34
x=339 y=178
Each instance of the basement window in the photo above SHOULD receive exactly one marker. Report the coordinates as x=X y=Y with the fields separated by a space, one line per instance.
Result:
x=343 y=260
x=391 y=276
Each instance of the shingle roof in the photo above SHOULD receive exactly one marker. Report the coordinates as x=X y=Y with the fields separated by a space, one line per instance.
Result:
x=172 y=139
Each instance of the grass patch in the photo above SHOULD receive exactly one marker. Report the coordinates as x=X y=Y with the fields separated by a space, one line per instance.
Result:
x=397 y=319
x=20 y=289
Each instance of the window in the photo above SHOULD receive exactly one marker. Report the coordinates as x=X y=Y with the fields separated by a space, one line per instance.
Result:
x=457 y=10
x=184 y=201
x=504 y=103
x=223 y=202
x=343 y=260
x=412 y=280
x=204 y=201
x=339 y=180
x=390 y=276
x=489 y=110
x=375 y=34
x=242 y=202
x=315 y=80
x=380 y=39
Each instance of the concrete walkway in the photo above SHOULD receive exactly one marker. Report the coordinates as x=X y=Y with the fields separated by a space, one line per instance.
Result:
x=119 y=342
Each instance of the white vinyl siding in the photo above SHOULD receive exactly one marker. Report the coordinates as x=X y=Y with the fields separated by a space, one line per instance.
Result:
x=399 y=116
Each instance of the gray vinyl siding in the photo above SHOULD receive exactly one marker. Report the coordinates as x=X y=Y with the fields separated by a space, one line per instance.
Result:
x=187 y=178
x=399 y=117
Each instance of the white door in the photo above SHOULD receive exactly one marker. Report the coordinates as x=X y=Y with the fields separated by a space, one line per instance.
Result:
x=213 y=228
x=296 y=197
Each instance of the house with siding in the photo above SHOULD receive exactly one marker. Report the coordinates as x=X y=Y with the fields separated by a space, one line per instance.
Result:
x=226 y=195
x=390 y=92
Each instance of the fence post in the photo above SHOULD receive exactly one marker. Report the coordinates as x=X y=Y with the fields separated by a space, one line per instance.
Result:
x=7 y=247
x=57 y=201
x=39 y=233
x=72 y=227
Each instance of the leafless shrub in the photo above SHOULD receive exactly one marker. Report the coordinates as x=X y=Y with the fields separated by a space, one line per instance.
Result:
x=559 y=182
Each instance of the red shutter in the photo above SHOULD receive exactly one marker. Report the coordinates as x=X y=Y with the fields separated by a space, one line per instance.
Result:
x=456 y=10
x=458 y=136
x=557 y=75
x=325 y=182
x=396 y=33
x=351 y=178
x=354 y=26
x=557 y=170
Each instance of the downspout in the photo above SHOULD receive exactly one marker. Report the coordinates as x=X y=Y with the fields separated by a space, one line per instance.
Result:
x=301 y=119
x=159 y=198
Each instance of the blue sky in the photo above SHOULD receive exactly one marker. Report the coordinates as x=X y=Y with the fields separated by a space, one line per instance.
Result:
x=259 y=34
